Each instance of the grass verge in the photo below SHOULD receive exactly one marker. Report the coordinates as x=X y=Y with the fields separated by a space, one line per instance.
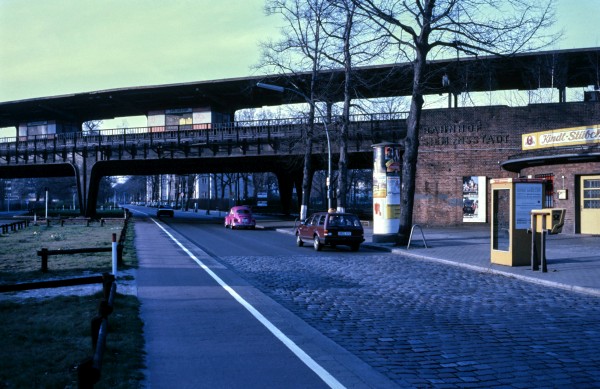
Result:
x=43 y=339
x=19 y=261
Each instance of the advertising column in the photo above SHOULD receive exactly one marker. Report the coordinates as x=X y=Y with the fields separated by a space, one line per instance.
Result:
x=387 y=162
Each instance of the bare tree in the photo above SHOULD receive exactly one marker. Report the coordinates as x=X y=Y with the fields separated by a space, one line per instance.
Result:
x=419 y=29
x=226 y=183
x=356 y=44
x=246 y=115
x=360 y=185
x=300 y=49
x=91 y=127
x=135 y=186
x=259 y=183
x=155 y=188
x=391 y=107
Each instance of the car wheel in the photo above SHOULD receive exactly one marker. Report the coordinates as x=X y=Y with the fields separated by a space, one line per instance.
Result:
x=317 y=244
x=354 y=247
x=299 y=241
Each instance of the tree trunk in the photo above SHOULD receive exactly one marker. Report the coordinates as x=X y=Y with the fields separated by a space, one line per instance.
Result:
x=190 y=190
x=343 y=162
x=342 y=168
x=411 y=151
x=307 y=172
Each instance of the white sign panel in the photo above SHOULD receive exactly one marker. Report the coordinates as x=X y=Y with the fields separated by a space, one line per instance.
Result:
x=528 y=196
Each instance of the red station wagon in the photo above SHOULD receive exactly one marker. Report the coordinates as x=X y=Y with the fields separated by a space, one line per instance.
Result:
x=332 y=229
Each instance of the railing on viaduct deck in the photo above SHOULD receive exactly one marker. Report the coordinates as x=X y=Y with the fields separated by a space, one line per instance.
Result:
x=246 y=137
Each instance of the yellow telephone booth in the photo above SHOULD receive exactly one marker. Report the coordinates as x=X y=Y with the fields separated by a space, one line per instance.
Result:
x=512 y=202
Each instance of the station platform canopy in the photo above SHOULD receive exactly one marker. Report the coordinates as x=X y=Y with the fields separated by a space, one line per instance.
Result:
x=528 y=71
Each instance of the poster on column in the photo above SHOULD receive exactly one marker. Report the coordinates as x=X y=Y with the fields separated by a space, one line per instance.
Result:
x=392 y=172
x=393 y=197
x=474 y=199
x=379 y=185
x=386 y=188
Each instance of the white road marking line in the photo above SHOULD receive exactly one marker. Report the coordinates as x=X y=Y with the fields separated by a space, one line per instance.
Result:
x=301 y=354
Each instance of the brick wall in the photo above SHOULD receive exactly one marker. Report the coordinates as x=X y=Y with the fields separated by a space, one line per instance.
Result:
x=474 y=141
x=571 y=174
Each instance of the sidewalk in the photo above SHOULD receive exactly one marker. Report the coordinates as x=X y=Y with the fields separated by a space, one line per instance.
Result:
x=199 y=334
x=573 y=260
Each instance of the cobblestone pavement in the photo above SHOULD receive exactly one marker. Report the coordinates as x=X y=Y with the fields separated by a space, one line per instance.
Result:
x=425 y=324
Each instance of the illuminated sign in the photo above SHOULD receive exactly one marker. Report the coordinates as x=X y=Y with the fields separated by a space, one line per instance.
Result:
x=561 y=137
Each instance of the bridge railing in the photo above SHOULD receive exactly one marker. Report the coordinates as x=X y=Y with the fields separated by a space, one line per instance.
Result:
x=239 y=131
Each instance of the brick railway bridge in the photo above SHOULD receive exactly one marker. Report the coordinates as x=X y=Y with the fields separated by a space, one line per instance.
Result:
x=191 y=128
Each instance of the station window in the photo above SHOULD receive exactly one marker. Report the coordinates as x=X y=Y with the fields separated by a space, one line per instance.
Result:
x=591 y=194
x=549 y=190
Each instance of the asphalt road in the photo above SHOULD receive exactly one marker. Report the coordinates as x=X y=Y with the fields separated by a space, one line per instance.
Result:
x=219 y=241
x=419 y=323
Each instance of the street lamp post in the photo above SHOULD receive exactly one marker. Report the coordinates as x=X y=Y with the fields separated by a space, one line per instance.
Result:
x=282 y=89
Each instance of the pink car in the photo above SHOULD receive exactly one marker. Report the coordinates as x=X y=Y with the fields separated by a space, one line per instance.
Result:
x=240 y=217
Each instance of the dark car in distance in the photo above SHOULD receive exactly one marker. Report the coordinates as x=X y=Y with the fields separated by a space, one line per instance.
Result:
x=165 y=210
x=331 y=229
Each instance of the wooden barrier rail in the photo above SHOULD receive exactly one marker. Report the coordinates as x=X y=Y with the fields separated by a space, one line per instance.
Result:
x=89 y=371
x=71 y=221
x=14 y=226
x=50 y=284
x=105 y=220
x=86 y=220
x=44 y=253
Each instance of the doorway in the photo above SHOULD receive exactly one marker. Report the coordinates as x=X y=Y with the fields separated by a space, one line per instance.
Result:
x=590 y=204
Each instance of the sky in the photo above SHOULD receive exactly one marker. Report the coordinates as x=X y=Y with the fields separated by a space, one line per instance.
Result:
x=57 y=47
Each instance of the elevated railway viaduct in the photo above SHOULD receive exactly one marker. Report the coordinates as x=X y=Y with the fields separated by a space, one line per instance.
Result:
x=233 y=148
x=455 y=143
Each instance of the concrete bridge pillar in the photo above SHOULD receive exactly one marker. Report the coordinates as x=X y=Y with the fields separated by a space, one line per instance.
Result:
x=87 y=184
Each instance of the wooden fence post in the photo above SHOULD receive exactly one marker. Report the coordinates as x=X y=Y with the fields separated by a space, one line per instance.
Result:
x=107 y=281
x=44 y=254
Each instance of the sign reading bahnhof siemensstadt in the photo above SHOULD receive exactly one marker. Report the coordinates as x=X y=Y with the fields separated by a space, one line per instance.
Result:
x=561 y=137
